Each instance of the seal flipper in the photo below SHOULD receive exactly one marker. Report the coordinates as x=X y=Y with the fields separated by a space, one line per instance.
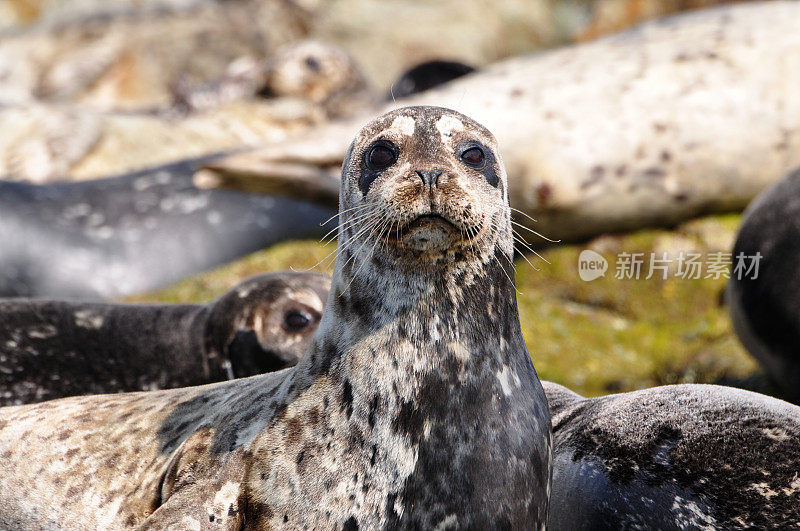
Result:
x=198 y=487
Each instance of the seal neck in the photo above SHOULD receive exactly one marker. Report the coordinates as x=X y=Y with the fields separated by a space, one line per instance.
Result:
x=425 y=318
x=438 y=365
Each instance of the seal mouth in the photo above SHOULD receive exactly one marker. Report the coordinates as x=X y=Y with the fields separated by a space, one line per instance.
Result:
x=429 y=221
x=427 y=232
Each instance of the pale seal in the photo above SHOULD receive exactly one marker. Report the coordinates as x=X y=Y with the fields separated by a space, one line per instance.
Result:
x=318 y=72
x=55 y=348
x=763 y=293
x=674 y=457
x=135 y=232
x=416 y=406
x=693 y=114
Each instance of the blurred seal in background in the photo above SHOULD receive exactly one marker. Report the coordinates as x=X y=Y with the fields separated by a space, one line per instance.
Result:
x=694 y=114
x=52 y=348
x=134 y=233
x=763 y=293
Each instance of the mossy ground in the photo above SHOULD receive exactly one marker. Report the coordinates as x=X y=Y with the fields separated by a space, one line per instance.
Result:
x=607 y=335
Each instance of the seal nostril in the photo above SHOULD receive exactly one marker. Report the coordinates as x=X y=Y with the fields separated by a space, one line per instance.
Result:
x=429 y=177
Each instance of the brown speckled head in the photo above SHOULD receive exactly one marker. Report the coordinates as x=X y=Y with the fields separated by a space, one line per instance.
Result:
x=423 y=185
x=319 y=72
x=266 y=322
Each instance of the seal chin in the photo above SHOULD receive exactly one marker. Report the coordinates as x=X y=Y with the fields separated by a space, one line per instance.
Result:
x=429 y=233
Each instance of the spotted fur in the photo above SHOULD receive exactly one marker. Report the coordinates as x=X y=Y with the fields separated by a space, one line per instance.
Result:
x=417 y=405
x=674 y=457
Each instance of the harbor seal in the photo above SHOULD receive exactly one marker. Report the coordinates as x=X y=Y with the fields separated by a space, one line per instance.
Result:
x=763 y=296
x=692 y=114
x=51 y=349
x=689 y=456
x=318 y=72
x=416 y=406
x=134 y=233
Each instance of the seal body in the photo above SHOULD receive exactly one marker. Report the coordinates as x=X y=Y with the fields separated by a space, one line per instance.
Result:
x=674 y=457
x=50 y=348
x=763 y=302
x=134 y=233
x=417 y=405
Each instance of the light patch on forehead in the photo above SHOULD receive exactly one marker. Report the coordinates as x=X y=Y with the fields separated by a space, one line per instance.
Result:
x=447 y=125
x=404 y=125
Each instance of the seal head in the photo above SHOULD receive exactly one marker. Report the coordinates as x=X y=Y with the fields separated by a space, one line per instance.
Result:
x=266 y=322
x=431 y=185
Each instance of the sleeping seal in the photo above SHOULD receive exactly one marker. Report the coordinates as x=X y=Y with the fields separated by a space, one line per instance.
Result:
x=674 y=457
x=416 y=406
x=50 y=349
x=135 y=232
x=693 y=114
x=763 y=294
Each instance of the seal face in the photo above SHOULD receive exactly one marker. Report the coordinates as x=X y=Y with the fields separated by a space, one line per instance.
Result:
x=416 y=406
x=51 y=348
x=674 y=457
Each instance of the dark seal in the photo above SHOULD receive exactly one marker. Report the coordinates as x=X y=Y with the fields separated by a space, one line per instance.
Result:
x=764 y=302
x=416 y=407
x=51 y=349
x=134 y=233
x=426 y=76
x=674 y=457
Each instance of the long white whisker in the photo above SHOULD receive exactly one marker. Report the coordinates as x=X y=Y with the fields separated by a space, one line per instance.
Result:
x=521 y=241
x=523 y=213
x=536 y=233
x=366 y=240
x=345 y=224
x=378 y=239
x=346 y=244
x=357 y=207
x=505 y=273
x=353 y=239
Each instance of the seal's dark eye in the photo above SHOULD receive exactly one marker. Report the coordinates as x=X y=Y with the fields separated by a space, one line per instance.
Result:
x=380 y=157
x=473 y=156
x=313 y=64
x=296 y=320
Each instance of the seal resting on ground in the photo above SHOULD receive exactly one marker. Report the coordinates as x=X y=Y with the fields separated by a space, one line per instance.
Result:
x=135 y=232
x=416 y=406
x=763 y=297
x=693 y=114
x=318 y=72
x=674 y=457
x=51 y=349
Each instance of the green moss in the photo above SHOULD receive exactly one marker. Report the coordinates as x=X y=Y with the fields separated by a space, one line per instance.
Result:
x=298 y=255
x=595 y=337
